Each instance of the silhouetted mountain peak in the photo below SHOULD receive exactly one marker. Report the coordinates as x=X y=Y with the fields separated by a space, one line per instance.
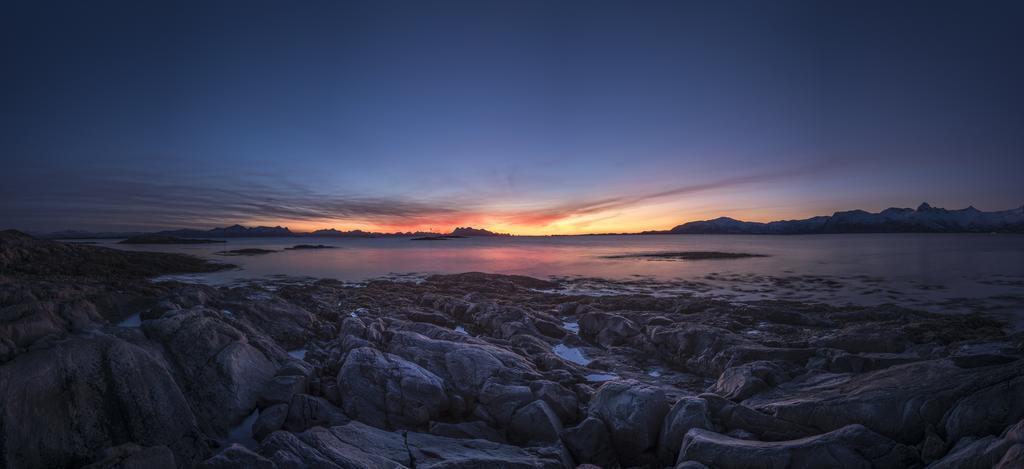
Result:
x=925 y=219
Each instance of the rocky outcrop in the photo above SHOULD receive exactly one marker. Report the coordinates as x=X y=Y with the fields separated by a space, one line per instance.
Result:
x=65 y=404
x=633 y=414
x=477 y=370
x=386 y=391
x=850 y=446
x=220 y=369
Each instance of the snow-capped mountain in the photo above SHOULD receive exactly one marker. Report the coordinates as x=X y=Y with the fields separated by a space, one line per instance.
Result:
x=924 y=219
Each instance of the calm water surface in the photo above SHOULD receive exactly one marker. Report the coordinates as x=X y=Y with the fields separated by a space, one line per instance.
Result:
x=938 y=271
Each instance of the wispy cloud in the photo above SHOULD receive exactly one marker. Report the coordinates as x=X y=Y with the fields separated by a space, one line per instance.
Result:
x=156 y=201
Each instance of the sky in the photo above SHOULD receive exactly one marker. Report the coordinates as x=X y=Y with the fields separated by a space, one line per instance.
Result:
x=529 y=117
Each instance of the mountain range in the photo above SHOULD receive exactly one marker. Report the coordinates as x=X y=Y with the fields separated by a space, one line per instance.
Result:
x=923 y=219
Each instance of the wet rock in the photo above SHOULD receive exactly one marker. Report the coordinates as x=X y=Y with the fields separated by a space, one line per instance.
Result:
x=288 y=324
x=463 y=366
x=850 y=446
x=590 y=442
x=280 y=389
x=386 y=391
x=535 y=422
x=860 y=363
x=899 y=402
x=974 y=453
x=373 y=453
x=740 y=382
x=270 y=420
x=466 y=430
x=307 y=411
x=687 y=413
x=987 y=411
x=318 y=449
x=563 y=401
x=64 y=404
x=1014 y=458
x=431 y=318
x=501 y=400
x=607 y=329
x=133 y=456
x=436 y=451
x=236 y=457
x=222 y=371
x=633 y=414
x=730 y=416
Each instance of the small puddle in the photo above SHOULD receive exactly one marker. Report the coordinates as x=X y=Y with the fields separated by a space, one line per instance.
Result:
x=601 y=377
x=299 y=353
x=461 y=330
x=242 y=434
x=134 y=320
x=573 y=327
x=572 y=354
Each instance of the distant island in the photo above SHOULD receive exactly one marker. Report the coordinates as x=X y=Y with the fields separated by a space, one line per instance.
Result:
x=924 y=219
x=165 y=239
x=183 y=236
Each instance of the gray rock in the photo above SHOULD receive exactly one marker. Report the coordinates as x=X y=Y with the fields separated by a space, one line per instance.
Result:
x=730 y=416
x=900 y=401
x=435 y=452
x=501 y=400
x=850 y=446
x=467 y=430
x=562 y=400
x=386 y=391
x=270 y=420
x=687 y=413
x=535 y=422
x=307 y=411
x=280 y=390
x=236 y=457
x=64 y=404
x=972 y=453
x=986 y=412
x=740 y=382
x=607 y=329
x=1013 y=459
x=590 y=443
x=221 y=370
x=633 y=413
x=133 y=456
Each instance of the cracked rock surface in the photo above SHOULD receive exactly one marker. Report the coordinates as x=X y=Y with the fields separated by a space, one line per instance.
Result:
x=477 y=370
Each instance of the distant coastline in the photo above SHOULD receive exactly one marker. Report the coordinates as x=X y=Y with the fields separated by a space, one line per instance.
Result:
x=923 y=219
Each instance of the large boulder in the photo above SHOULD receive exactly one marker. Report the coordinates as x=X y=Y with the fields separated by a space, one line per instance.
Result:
x=590 y=443
x=133 y=456
x=236 y=457
x=740 y=382
x=386 y=391
x=730 y=416
x=850 y=446
x=686 y=414
x=222 y=371
x=902 y=401
x=286 y=323
x=464 y=366
x=608 y=329
x=633 y=413
x=63 y=405
x=535 y=422
x=355 y=445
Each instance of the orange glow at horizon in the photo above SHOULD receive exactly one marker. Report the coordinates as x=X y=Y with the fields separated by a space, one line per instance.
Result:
x=526 y=222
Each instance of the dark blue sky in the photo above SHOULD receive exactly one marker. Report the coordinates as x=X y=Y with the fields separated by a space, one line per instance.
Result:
x=531 y=117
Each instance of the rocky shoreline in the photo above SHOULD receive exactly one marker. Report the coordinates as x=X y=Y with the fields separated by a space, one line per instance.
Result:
x=101 y=367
